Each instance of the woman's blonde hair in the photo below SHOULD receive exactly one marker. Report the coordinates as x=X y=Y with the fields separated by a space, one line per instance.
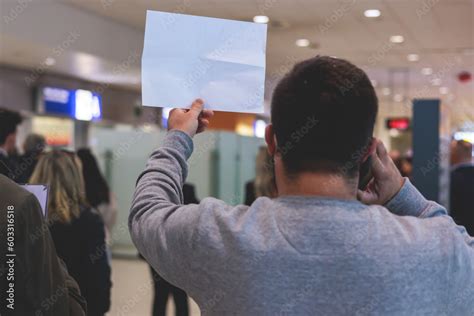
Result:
x=265 y=175
x=61 y=171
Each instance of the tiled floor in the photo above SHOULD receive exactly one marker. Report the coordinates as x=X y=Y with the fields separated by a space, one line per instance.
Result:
x=132 y=290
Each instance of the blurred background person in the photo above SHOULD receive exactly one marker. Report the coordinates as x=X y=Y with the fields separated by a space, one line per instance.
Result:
x=406 y=166
x=77 y=230
x=98 y=193
x=462 y=185
x=9 y=122
x=264 y=182
x=33 y=147
x=162 y=288
x=394 y=154
x=39 y=273
x=404 y=163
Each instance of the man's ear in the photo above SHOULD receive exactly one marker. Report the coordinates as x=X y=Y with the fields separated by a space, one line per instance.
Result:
x=370 y=150
x=10 y=141
x=270 y=139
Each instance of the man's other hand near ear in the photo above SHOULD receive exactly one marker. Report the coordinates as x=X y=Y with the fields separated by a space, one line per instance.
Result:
x=387 y=180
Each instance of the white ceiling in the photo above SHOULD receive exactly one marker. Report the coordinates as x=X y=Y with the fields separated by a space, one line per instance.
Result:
x=440 y=31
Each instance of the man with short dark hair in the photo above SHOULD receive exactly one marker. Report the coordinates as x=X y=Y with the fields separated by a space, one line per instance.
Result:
x=9 y=122
x=317 y=249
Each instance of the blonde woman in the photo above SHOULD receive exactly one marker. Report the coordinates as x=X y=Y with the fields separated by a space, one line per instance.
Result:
x=264 y=183
x=77 y=230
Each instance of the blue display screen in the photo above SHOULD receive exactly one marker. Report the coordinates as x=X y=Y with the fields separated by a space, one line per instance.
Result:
x=79 y=104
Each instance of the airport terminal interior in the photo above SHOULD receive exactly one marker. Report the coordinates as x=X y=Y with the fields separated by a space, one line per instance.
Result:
x=418 y=54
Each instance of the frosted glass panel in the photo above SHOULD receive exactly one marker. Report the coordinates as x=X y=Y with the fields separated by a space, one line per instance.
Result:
x=236 y=165
x=248 y=153
x=202 y=164
x=122 y=154
x=228 y=173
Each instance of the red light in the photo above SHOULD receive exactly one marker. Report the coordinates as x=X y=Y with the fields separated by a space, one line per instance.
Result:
x=399 y=123
x=464 y=76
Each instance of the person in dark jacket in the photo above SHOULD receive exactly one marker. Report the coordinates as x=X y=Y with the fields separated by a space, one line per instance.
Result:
x=42 y=284
x=98 y=193
x=163 y=289
x=462 y=185
x=9 y=122
x=78 y=231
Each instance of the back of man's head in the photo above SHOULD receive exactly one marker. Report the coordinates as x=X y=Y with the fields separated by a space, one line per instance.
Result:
x=9 y=121
x=461 y=152
x=323 y=115
x=34 y=144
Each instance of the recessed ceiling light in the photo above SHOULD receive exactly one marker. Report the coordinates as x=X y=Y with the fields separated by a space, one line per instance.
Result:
x=427 y=71
x=398 y=98
x=397 y=39
x=436 y=82
x=302 y=42
x=444 y=90
x=413 y=57
x=386 y=91
x=261 y=19
x=50 y=61
x=372 y=13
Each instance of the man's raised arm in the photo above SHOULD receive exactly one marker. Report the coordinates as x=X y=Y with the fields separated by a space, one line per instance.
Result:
x=159 y=224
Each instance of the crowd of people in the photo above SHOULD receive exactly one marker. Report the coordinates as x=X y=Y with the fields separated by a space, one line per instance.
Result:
x=308 y=241
x=76 y=235
x=70 y=244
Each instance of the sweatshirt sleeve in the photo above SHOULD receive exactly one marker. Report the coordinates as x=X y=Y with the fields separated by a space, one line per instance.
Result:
x=410 y=202
x=458 y=252
x=160 y=226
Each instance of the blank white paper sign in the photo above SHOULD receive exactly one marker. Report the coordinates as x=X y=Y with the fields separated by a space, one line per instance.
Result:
x=187 y=57
x=41 y=193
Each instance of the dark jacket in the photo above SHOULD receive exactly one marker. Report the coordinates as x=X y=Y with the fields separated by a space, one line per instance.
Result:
x=25 y=166
x=42 y=284
x=250 y=193
x=81 y=244
x=6 y=167
x=462 y=196
x=189 y=194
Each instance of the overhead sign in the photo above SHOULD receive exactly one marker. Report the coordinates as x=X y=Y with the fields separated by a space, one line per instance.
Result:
x=80 y=104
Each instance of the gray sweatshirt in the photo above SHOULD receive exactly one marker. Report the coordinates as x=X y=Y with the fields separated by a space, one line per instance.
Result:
x=300 y=255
